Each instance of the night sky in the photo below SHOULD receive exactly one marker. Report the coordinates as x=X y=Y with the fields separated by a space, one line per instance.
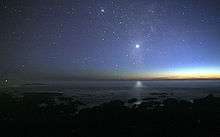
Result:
x=64 y=40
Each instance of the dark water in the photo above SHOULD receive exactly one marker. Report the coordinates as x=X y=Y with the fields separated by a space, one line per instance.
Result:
x=96 y=92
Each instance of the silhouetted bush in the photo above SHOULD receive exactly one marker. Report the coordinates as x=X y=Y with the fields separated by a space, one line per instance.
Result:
x=60 y=116
x=132 y=100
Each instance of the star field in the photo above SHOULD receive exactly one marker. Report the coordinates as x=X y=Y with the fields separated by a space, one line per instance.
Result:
x=107 y=39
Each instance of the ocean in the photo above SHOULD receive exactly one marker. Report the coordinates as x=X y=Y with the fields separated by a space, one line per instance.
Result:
x=96 y=92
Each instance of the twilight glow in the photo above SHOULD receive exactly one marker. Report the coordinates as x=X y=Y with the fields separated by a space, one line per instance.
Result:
x=206 y=73
x=187 y=73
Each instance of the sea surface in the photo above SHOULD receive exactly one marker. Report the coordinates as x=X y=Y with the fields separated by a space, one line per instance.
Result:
x=97 y=92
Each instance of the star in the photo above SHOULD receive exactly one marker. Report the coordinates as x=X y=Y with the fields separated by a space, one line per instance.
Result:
x=102 y=10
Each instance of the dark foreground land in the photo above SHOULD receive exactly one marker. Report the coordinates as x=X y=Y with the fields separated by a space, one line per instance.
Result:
x=53 y=115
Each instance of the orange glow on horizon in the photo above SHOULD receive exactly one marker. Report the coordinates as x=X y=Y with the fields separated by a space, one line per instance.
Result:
x=192 y=75
x=178 y=74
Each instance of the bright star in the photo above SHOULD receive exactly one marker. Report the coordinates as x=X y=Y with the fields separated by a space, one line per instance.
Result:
x=137 y=46
x=102 y=10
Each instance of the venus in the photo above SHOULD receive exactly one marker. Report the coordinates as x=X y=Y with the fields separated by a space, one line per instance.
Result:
x=137 y=46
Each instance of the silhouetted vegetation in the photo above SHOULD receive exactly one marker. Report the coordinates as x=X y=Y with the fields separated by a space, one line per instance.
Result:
x=53 y=115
